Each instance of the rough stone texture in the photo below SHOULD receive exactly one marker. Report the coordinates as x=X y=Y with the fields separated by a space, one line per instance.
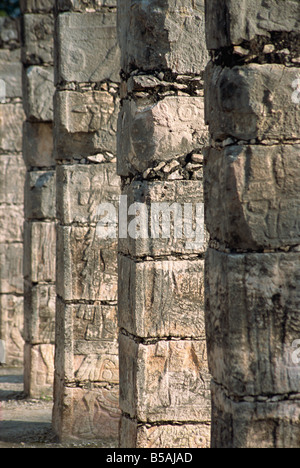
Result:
x=166 y=436
x=149 y=193
x=255 y=355
x=78 y=35
x=86 y=123
x=39 y=370
x=232 y=22
x=164 y=381
x=161 y=302
x=40 y=197
x=12 y=175
x=252 y=102
x=38 y=144
x=86 y=404
x=252 y=214
x=267 y=424
x=168 y=129
x=252 y=195
x=162 y=34
x=38 y=94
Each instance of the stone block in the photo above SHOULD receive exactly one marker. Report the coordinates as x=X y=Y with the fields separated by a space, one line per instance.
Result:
x=86 y=338
x=86 y=413
x=9 y=31
x=85 y=123
x=78 y=36
x=162 y=35
x=166 y=381
x=252 y=102
x=169 y=218
x=133 y=435
x=11 y=72
x=11 y=328
x=98 y=184
x=39 y=313
x=38 y=39
x=162 y=298
x=168 y=129
x=268 y=424
x=252 y=321
x=40 y=192
x=252 y=196
x=11 y=268
x=11 y=121
x=12 y=168
x=40 y=255
x=87 y=265
x=39 y=370
x=230 y=22
x=11 y=223
x=38 y=88
x=38 y=144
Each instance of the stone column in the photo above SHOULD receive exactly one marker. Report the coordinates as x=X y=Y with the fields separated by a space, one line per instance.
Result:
x=40 y=234
x=12 y=176
x=164 y=381
x=86 y=110
x=253 y=216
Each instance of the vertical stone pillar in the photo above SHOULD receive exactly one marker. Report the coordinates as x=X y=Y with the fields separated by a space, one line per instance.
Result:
x=12 y=175
x=164 y=381
x=86 y=112
x=40 y=234
x=253 y=215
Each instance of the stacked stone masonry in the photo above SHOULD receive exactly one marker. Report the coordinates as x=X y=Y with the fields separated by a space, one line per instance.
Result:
x=12 y=176
x=40 y=210
x=164 y=380
x=252 y=214
x=86 y=105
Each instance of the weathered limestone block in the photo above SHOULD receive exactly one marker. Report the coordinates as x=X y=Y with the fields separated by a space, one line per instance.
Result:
x=40 y=190
x=253 y=101
x=87 y=265
x=11 y=120
x=11 y=223
x=38 y=39
x=9 y=32
x=166 y=381
x=85 y=33
x=252 y=321
x=40 y=313
x=38 y=144
x=12 y=168
x=268 y=424
x=11 y=327
x=162 y=227
x=38 y=93
x=39 y=370
x=162 y=34
x=162 y=298
x=166 y=436
x=232 y=21
x=252 y=196
x=39 y=257
x=98 y=184
x=86 y=413
x=148 y=134
x=85 y=123
x=11 y=268
x=11 y=72
x=37 y=6
x=87 y=337
x=81 y=5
